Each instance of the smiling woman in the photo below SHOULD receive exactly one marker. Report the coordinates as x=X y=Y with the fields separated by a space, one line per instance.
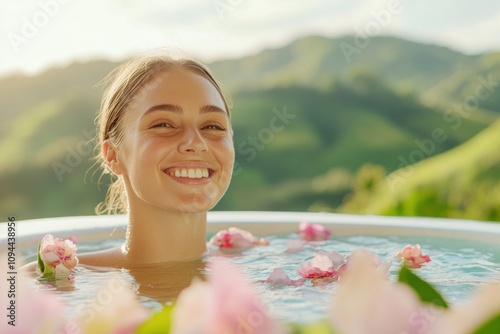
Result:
x=164 y=133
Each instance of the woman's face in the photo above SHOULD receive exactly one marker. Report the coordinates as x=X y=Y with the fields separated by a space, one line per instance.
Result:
x=177 y=151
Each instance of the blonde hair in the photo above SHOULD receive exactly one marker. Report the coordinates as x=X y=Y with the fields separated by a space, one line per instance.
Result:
x=127 y=81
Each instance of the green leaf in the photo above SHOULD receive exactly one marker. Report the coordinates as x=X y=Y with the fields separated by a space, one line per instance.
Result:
x=158 y=323
x=318 y=327
x=492 y=326
x=41 y=265
x=426 y=292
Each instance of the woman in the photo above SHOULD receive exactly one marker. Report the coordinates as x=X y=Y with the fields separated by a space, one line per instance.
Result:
x=164 y=131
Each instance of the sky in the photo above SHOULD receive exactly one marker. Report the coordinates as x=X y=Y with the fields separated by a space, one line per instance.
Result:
x=38 y=34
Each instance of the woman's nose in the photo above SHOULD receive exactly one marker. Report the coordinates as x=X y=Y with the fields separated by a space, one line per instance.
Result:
x=192 y=142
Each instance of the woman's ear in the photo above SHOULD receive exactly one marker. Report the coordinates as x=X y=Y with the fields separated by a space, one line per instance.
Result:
x=111 y=157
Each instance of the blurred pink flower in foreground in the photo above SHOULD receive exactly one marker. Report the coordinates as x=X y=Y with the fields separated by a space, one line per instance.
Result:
x=33 y=311
x=226 y=303
x=278 y=276
x=58 y=256
x=468 y=317
x=313 y=232
x=367 y=303
x=381 y=267
x=234 y=240
x=412 y=256
x=115 y=310
x=321 y=266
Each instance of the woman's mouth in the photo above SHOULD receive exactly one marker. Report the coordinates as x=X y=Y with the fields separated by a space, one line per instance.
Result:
x=189 y=173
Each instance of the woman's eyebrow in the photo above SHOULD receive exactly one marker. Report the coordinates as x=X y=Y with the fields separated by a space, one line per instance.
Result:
x=167 y=107
x=211 y=108
x=207 y=108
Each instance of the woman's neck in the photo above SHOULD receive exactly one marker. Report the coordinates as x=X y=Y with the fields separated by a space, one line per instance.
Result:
x=155 y=236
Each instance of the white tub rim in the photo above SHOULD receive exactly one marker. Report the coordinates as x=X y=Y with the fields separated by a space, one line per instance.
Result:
x=91 y=228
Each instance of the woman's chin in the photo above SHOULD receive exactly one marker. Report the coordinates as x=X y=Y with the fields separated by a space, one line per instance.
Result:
x=196 y=206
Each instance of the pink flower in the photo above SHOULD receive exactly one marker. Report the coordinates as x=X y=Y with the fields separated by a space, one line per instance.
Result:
x=294 y=246
x=336 y=258
x=321 y=266
x=313 y=232
x=468 y=317
x=278 y=276
x=367 y=303
x=412 y=256
x=121 y=313
x=376 y=262
x=226 y=303
x=235 y=240
x=57 y=256
x=36 y=311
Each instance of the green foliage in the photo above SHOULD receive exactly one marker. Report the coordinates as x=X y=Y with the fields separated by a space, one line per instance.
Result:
x=158 y=323
x=492 y=326
x=426 y=292
x=41 y=265
x=317 y=327
x=345 y=115
x=461 y=183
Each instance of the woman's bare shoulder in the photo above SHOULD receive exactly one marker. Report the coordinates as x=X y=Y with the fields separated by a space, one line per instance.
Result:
x=29 y=267
x=112 y=257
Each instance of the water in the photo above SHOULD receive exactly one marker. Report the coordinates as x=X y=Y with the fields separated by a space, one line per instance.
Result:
x=457 y=269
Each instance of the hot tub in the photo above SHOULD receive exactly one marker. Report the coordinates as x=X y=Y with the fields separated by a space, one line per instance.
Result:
x=465 y=254
x=85 y=228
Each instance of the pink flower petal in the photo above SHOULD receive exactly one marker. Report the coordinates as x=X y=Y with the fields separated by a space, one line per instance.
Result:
x=321 y=261
x=278 y=276
x=294 y=246
x=366 y=302
x=234 y=240
x=336 y=258
x=50 y=258
x=321 y=266
x=313 y=232
x=226 y=303
x=483 y=305
x=412 y=256
x=59 y=254
x=36 y=310
x=375 y=262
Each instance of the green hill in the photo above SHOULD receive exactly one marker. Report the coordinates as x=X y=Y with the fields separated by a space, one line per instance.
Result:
x=22 y=93
x=462 y=182
x=476 y=85
x=313 y=60
x=305 y=120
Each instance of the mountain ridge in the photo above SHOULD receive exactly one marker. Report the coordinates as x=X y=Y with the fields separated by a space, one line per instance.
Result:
x=370 y=111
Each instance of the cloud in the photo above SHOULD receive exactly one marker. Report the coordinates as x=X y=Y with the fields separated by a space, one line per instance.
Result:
x=478 y=35
x=212 y=29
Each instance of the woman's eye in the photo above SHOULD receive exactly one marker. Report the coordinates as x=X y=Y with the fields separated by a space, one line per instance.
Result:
x=214 y=127
x=162 y=125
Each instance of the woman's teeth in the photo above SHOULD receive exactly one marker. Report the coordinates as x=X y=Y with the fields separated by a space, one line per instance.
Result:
x=191 y=173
